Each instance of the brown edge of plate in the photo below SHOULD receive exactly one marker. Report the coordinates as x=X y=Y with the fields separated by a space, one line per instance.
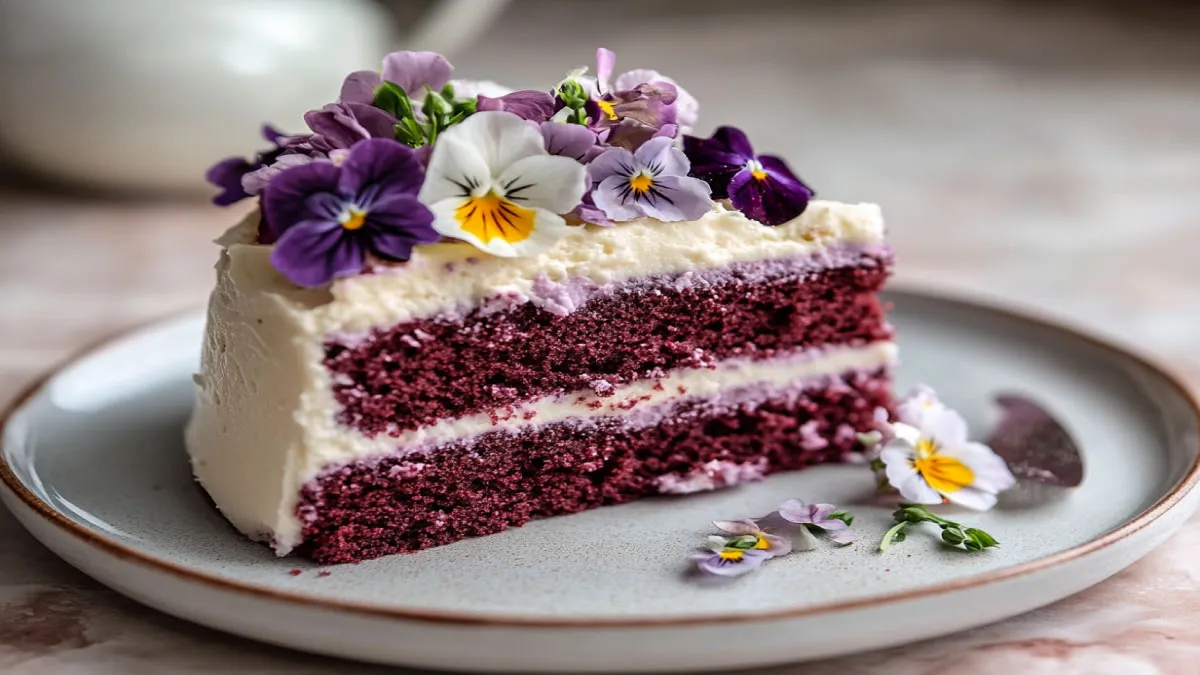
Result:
x=1009 y=310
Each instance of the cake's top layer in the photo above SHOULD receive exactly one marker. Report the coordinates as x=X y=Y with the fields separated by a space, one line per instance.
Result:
x=452 y=278
x=411 y=167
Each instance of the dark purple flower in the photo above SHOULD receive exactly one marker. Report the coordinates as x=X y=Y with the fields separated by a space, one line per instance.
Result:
x=227 y=174
x=341 y=125
x=528 y=104
x=325 y=218
x=762 y=187
x=571 y=140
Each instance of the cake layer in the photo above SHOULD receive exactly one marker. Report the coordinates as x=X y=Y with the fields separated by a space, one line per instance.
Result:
x=374 y=507
x=417 y=373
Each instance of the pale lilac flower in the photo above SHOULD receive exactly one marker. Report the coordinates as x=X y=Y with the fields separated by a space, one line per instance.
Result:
x=651 y=182
x=721 y=560
x=772 y=544
x=571 y=140
x=412 y=71
x=686 y=108
x=819 y=517
x=528 y=104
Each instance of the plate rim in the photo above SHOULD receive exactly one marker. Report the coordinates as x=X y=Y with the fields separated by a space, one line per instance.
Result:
x=973 y=300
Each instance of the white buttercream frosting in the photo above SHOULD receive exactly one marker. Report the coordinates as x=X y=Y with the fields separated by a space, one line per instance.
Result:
x=265 y=416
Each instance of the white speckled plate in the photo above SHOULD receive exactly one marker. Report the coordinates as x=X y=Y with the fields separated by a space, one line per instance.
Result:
x=94 y=466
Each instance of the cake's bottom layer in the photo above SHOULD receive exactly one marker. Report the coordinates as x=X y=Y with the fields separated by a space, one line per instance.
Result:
x=503 y=479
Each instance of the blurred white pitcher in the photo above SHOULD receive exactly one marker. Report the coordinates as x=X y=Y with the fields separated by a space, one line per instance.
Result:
x=146 y=94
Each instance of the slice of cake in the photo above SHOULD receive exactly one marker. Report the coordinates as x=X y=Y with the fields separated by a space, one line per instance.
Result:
x=458 y=311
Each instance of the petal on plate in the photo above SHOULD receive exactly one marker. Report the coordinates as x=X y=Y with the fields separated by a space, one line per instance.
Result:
x=914 y=488
x=739 y=527
x=553 y=183
x=990 y=470
x=972 y=498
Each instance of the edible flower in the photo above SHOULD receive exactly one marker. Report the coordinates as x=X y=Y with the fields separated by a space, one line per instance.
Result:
x=411 y=71
x=819 y=518
x=773 y=544
x=686 y=109
x=491 y=182
x=930 y=461
x=760 y=186
x=341 y=125
x=570 y=140
x=651 y=182
x=730 y=557
x=228 y=174
x=326 y=218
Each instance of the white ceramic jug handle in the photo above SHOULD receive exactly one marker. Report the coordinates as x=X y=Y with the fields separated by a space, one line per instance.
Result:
x=451 y=24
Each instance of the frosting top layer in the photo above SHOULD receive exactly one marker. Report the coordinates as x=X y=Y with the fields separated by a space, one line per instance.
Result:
x=454 y=277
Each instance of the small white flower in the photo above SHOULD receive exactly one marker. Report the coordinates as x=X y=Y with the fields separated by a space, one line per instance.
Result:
x=491 y=182
x=930 y=461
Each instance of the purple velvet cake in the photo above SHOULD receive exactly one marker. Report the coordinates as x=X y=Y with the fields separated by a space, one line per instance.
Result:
x=459 y=308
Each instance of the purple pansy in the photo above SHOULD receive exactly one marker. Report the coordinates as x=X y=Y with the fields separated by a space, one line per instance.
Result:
x=685 y=108
x=634 y=116
x=651 y=182
x=535 y=106
x=341 y=125
x=326 y=218
x=227 y=174
x=412 y=71
x=721 y=559
x=762 y=187
x=819 y=517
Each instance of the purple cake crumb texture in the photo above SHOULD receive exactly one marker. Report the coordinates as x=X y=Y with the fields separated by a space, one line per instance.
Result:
x=414 y=374
x=503 y=479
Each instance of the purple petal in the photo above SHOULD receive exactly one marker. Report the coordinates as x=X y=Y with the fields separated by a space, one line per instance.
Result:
x=256 y=181
x=284 y=200
x=718 y=159
x=734 y=140
x=821 y=512
x=612 y=162
x=359 y=87
x=795 y=511
x=1036 y=446
x=739 y=527
x=605 y=60
x=399 y=223
x=661 y=153
x=414 y=71
x=379 y=167
x=272 y=135
x=570 y=140
x=679 y=198
x=777 y=545
x=772 y=199
x=227 y=175
x=528 y=104
x=314 y=252
x=609 y=199
x=588 y=212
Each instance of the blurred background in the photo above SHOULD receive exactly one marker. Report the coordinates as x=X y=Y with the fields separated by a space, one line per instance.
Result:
x=1046 y=153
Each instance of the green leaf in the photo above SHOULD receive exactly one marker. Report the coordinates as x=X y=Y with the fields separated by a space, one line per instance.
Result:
x=844 y=516
x=980 y=537
x=448 y=92
x=971 y=545
x=953 y=536
x=893 y=535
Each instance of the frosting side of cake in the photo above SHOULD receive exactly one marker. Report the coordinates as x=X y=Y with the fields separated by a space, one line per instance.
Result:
x=453 y=278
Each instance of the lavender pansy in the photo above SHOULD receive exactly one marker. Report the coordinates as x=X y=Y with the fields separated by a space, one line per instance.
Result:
x=341 y=125
x=822 y=517
x=722 y=559
x=327 y=218
x=762 y=187
x=650 y=182
x=412 y=71
x=685 y=109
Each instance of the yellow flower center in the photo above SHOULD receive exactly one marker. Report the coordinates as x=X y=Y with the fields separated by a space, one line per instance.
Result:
x=606 y=107
x=492 y=216
x=762 y=542
x=944 y=474
x=756 y=169
x=730 y=554
x=641 y=183
x=759 y=174
x=355 y=219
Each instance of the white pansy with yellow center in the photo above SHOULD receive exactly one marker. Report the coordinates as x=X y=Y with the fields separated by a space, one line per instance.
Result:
x=933 y=462
x=491 y=182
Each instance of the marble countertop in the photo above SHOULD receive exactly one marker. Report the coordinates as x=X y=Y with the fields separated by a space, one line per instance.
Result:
x=1047 y=157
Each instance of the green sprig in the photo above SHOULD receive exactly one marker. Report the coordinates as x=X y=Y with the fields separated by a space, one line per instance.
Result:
x=954 y=535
